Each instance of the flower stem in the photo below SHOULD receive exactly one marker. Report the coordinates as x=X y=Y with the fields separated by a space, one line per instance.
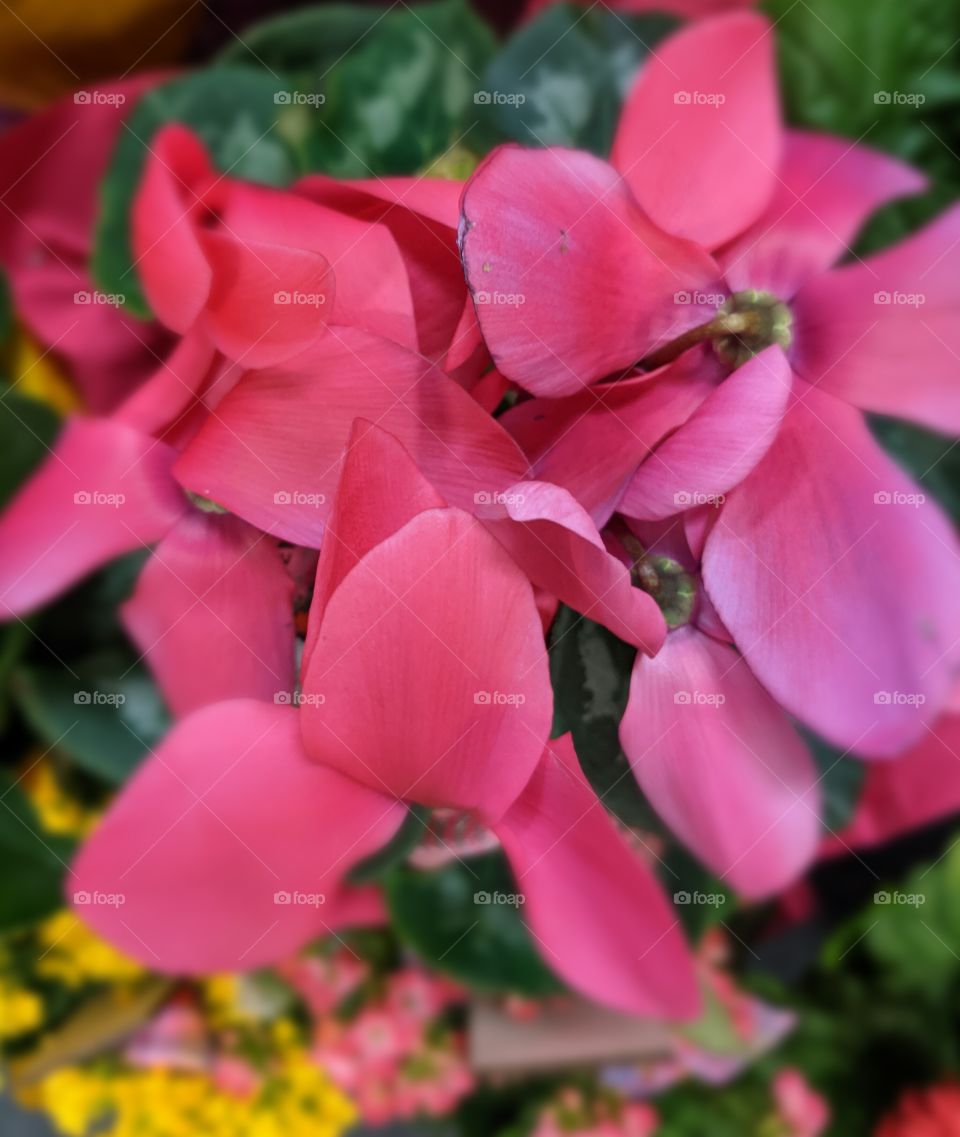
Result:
x=726 y=324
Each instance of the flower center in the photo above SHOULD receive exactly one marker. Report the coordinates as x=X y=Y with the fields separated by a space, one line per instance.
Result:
x=671 y=586
x=750 y=322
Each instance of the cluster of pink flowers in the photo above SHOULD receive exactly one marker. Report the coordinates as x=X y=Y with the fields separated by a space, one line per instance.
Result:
x=684 y=459
x=394 y=1059
x=572 y=1115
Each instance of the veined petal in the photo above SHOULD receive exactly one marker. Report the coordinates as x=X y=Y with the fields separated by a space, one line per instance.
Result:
x=222 y=850
x=105 y=489
x=699 y=140
x=721 y=442
x=272 y=452
x=722 y=764
x=851 y=623
x=212 y=613
x=593 y=907
x=428 y=679
x=571 y=280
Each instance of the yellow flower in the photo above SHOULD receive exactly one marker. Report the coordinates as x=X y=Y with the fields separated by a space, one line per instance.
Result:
x=75 y=955
x=57 y=811
x=20 y=1010
x=35 y=373
x=297 y=1101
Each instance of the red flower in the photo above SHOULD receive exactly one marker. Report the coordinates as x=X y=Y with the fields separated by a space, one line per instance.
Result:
x=934 y=1112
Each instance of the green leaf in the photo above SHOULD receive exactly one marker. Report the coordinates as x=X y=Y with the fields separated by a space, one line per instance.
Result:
x=234 y=110
x=104 y=716
x=912 y=930
x=443 y=916
x=6 y=309
x=34 y=863
x=404 y=841
x=375 y=92
x=884 y=73
x=933 y=459
x=27 y=431
x=304 y=44
x=562 y=78
x=405 y=95
x=590 y=670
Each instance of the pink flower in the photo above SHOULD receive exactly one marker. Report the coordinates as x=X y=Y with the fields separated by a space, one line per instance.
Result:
x=802 y=1110
x=920 y=787
x=51 y=166
x=324 y=982
x=424 y=679
x=718 y=759
x=853 y=623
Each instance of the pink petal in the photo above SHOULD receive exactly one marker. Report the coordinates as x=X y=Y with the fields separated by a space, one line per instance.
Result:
x=437 y=199
x=372 y=279
x=592 y=443
x=379 y=491
x=422 y=215
x=571 y=280
x=826 y=189
x=169 y=258
x=721 y=763
x=700 y=136
x=884 y=335
x=213 y=614
x=272 y=452
x=719 y=444
x=918 y=788
x=214 y=846
x=267 y=303
x=51 y=166
x=593 y=907
x=556 y=544
x=162 y=401
x=429 y=679
x=851 y=623
x=104 y=490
